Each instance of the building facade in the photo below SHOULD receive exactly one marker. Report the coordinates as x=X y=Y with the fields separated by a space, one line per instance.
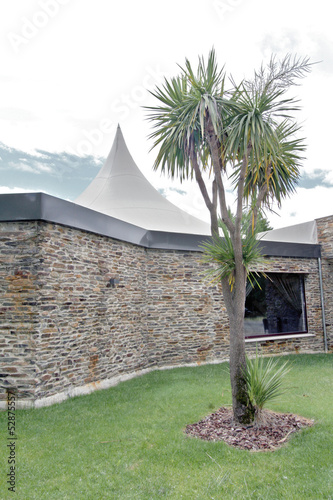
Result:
x=88 y=300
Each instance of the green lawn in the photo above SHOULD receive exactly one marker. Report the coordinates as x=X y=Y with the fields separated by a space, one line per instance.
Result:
x=127 y=442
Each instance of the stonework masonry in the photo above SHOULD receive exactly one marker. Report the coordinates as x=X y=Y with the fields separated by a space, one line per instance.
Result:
x=80 y=311
x=325 y=236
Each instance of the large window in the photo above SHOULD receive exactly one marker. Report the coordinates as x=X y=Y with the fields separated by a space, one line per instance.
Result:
x=276 y=306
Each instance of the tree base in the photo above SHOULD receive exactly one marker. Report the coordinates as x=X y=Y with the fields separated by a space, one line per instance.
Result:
x=271 y=433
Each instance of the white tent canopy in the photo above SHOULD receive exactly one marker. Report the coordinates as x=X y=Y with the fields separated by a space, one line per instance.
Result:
x=121 y=191
x=299 y=233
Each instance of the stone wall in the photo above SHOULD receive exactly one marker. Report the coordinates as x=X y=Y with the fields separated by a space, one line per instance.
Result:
x=19 y=271
x=325 y=236
x=66 y=329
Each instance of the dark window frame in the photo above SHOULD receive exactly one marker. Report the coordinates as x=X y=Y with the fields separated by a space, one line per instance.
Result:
x=266 y=334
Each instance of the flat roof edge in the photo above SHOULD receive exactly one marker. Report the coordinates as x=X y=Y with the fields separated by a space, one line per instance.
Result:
x=44 y=207
x=287 y=249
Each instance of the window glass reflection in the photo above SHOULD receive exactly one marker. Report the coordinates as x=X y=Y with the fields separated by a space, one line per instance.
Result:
x=276 y=305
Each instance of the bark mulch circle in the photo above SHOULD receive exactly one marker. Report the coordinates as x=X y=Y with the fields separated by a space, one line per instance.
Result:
x=272 y=433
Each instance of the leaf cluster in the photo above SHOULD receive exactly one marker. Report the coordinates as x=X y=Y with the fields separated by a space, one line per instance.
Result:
x=264 y=380
x=251 y=119
x=220 y=251
x=179 y=120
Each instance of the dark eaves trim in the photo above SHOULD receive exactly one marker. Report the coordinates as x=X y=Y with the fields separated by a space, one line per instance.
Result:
x=47 y=208
x=284 y=249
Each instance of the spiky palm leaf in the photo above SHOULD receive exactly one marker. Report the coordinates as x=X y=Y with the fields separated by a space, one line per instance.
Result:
x=264 y=380
x=279 y=169
x=260 y=128
x=251 y=119
x=220 y=252
x=180 y=119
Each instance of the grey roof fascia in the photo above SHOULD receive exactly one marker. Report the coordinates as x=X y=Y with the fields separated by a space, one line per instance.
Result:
x=20 y=206
x=44 y=207
x=73 y=215
x=286 y=249
x=174 y=241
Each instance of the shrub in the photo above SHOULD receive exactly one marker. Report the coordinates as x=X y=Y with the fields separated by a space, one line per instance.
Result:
x=264 y=380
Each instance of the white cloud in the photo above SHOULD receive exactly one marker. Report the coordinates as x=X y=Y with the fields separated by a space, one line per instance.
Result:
x=35 y=168
x=8 y=190
x=329 y=177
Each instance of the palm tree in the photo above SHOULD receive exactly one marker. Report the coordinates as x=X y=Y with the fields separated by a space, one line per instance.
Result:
x=246 y=134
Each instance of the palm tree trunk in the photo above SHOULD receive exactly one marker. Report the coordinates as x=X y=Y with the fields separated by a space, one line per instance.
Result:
x=243 y=410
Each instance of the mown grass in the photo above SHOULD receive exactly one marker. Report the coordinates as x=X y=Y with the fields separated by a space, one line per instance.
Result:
x=127 y=442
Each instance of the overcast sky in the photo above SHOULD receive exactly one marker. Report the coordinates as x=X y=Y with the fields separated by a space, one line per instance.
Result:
x=71 y=70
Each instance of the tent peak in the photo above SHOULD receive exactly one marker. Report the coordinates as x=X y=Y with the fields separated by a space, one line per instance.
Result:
x=122 y=191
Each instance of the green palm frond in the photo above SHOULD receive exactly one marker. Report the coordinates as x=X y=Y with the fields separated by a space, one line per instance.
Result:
x=264 y=380
x=278 y=167
x=220 y=252
x=179 y=121
x=251 y=122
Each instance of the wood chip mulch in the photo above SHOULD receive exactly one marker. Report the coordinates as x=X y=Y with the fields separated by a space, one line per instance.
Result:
x=272 y=433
